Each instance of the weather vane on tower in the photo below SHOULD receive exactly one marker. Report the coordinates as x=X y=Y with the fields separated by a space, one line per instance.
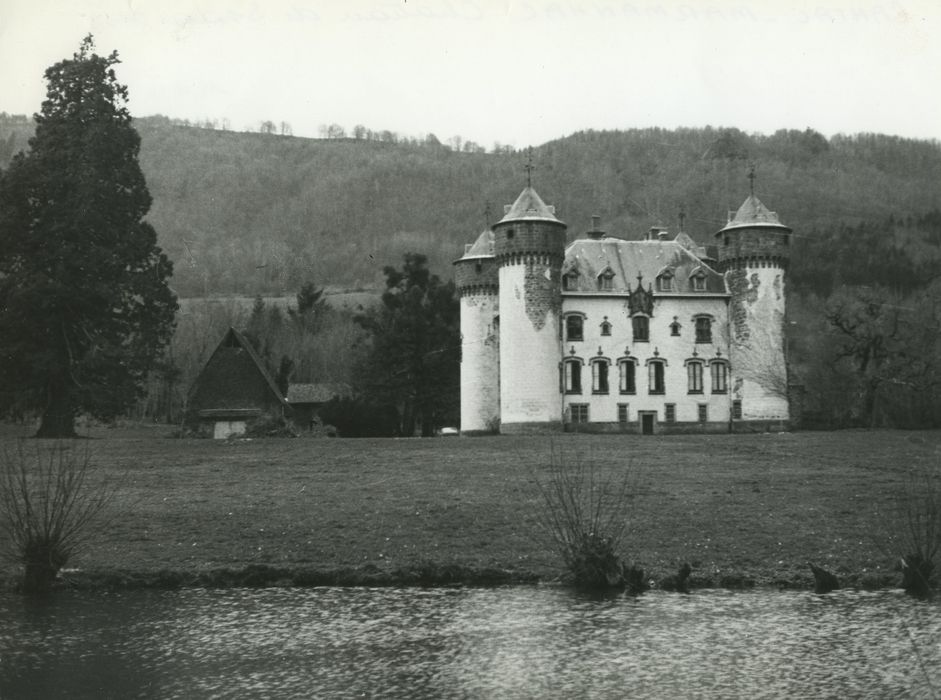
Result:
x=529 y=167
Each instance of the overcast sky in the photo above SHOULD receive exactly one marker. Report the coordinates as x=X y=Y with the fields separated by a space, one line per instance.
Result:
x=520 y=73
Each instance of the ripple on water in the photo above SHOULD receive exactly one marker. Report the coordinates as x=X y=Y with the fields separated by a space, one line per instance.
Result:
x=520 y=642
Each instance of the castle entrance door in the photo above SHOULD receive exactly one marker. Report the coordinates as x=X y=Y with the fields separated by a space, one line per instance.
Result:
x=647 y=421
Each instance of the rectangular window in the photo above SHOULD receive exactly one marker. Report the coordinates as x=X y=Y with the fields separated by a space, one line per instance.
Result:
x=627 y=383
x=641 y=325
x=694 y=374
x=703 y=413
x=720 y=378
x=669 y=412
x=737 y=409
x=579 y=412
x=655 y=378
x=599 y=377
x=622 y=413
x=606 y=283
x=573 y=328
x=699 y=283
x=703 y=330
x=573 y=377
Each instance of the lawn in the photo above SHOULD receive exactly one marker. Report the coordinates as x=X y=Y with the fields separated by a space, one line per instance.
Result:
x=739 y=508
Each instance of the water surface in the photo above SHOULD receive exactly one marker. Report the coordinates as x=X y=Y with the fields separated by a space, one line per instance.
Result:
x=518 y=642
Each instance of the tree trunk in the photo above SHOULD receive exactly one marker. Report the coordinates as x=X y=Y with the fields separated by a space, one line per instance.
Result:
x=58 y=418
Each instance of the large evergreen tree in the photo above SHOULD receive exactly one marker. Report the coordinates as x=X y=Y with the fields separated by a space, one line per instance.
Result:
x=84 y=304
x=414 y=362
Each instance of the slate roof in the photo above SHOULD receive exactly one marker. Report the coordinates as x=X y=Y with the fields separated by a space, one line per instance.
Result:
x=753 y=214
x=481 y=248
x=628 y=260
x=315 y=393
x=529 y=207
x=234 y=378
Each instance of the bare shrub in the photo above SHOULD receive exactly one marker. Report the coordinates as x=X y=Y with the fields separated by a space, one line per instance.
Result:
x=47 y=508
x=586 y=517
x=915 y=529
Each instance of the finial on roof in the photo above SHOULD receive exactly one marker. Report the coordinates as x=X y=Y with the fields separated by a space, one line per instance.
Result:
x=529 y=167
x=751 y=179
x=682 y=218
x=487 y=213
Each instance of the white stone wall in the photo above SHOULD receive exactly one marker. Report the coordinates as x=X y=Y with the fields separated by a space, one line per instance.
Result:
x=480 y=363
x=757 y=315
x=529 y=347
x=674 y=349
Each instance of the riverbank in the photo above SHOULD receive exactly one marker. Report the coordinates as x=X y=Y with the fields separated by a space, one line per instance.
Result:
x=743 y=510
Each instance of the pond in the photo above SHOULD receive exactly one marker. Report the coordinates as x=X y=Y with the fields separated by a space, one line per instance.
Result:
x=516 y=642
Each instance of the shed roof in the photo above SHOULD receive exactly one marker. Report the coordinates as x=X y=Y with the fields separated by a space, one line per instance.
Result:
x=315 y=393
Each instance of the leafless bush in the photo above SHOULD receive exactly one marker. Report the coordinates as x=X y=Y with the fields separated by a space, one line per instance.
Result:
x=586 y=516
x=915 y=529
x=47 y=508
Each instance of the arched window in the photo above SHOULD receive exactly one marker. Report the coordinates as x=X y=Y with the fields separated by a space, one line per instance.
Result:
x=572 y=370
x=641 y=328
x=605 y=327
x=675 y=326
x=627 y=375
x=574 y=327
x=703 y=329
x=655 y=376
x=694 y=376
x=599 y=375
x=720 y=376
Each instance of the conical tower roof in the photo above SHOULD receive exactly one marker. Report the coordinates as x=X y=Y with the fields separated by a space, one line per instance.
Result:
x=481 y=248
x=529 y=207
x=753 y=214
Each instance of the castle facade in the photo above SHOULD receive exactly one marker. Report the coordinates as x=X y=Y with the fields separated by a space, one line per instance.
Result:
x=656 y=335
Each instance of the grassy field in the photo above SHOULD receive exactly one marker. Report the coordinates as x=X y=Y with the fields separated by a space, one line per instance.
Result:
x=740 y=509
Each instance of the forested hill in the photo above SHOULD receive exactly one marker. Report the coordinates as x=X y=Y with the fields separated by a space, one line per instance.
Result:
x=261 y=213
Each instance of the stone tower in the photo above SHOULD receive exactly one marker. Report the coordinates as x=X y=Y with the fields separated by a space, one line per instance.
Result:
x=753 y=252
x=476 y=278
x=529 y=246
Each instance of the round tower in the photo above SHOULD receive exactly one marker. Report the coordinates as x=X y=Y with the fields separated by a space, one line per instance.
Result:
x=476 y=279
x=753 y=252
x=529 y=246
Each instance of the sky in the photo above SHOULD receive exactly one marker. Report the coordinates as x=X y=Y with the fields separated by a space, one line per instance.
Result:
x=517 y=73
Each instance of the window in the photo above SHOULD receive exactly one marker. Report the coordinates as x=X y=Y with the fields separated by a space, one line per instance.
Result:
x=605 y=327
x=573 y=327
x=669 y=412
x=703 y=329
x=675 y=327
x=666 y=282
x=622 y=413
x=573 y=376
x=626 y=380
x=579 y=412
x=720 y=377
x=694 y=375
x=737 y=409
x=655 y=379
x=570 y=282
x=606 y=280
x=699 y=283
x=703 y=413
x=641 y=327
x=510 y=233
x=599 y=376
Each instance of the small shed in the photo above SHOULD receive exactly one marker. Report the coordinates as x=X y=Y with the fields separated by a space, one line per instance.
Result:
x=306 y=400
x=233 y=388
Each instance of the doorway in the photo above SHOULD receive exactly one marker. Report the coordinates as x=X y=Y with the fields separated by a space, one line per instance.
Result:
x=648 y=419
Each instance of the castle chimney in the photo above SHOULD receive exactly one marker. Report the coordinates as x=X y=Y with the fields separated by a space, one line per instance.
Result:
x=596 y=233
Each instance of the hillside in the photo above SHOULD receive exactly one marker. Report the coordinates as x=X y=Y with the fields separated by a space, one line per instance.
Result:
x=243 y=213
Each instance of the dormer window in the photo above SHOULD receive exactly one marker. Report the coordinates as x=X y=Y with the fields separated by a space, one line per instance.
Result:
x=665 y=281
x=606 y=280
x=570 y=281
x=699 y=283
